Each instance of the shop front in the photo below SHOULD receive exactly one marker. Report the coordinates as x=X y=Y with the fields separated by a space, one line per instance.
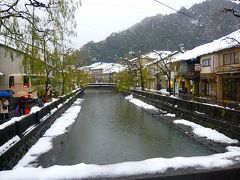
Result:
x=208 y=85
x=229 y=86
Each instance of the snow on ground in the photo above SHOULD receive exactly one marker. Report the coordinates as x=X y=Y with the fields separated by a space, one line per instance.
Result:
x=208 y=133
x=149 y=166
x=44 y=144
x=25 y=168
x=199 y=130
x=140 y=103
x=34 y=109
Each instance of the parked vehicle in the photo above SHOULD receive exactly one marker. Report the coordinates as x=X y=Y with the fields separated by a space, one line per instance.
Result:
x=23 y=83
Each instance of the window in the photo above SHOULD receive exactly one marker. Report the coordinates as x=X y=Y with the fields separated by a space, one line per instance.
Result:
x=208 y=89
x=230 y=58
x=25 y=81
x=11 y=82
x=206 y=62
x=231 y=89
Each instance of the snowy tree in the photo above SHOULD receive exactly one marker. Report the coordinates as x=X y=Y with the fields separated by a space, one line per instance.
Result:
x=164 y=63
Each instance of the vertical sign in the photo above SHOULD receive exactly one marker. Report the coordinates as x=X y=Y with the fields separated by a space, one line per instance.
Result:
x=197 y=67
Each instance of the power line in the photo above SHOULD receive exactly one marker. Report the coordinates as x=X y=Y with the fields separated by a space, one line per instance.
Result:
x=185 y=14
x=121 y=6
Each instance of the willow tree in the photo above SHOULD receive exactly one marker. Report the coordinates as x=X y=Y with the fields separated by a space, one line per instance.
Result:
x=80 y=78
x=64 y=71
x=16 y=16
x=124 y=80
x=37 y=28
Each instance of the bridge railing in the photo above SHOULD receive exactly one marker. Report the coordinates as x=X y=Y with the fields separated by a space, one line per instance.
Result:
x=100 y=85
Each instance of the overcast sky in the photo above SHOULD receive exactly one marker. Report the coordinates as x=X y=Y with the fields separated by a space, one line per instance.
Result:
x=97 y=19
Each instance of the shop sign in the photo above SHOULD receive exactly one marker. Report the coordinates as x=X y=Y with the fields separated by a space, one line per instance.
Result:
x=197 y=67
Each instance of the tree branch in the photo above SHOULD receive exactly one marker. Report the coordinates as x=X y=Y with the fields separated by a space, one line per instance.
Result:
x=232 y=40
x=233 y=11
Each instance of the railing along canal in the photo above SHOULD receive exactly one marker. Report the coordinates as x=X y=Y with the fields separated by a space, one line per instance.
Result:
x=25 y=132
x=223 y=119
x=19 y=129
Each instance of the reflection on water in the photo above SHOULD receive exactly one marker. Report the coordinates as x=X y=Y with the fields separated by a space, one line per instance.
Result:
x=109 y=129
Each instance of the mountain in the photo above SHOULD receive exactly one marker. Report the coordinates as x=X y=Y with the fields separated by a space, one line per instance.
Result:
x=191 y=27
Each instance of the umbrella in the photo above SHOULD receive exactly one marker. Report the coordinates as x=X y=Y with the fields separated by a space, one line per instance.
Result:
x=5 y=93
x=21 y=94
x=8 y=90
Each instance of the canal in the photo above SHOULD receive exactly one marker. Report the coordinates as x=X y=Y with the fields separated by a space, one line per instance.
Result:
x=109 y=129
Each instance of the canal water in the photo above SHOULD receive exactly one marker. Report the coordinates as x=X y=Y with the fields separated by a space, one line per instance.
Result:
x=109 y=129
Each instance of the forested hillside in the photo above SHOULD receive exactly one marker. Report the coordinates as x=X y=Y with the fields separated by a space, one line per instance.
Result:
x=167 y=32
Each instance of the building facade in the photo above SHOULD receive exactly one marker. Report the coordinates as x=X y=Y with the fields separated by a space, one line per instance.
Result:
x=10 y=63
x=208 y=80
x=228 y=75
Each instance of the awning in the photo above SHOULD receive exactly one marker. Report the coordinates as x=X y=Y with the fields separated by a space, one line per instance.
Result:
x=228 y=72
x=208 y=76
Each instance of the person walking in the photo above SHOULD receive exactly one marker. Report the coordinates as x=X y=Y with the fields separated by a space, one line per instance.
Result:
x=22 y=105
x=40 y=101
x=4 y=108
x=1 y=109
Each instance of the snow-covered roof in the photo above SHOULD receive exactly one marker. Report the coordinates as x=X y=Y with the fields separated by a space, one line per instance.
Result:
x=90 y=67
x=164 y=54
x=102 y=66
x=229 y=41
x=236 y=1
x=155 y=54
x=132 y=60
x=95 y=64
x=105 y=67
x=114 y=68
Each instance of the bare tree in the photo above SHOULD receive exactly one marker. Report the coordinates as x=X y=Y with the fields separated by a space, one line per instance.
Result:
x=138 y=66
x=164 y=63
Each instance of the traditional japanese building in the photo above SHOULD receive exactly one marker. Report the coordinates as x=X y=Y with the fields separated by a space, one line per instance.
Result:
x=214 y=67
x=228 y=74
x=208 y=80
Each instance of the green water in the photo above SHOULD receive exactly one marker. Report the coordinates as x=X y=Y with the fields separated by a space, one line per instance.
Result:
x=110 y=129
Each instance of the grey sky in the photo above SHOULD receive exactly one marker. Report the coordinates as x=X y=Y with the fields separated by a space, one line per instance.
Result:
x=97 y=19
